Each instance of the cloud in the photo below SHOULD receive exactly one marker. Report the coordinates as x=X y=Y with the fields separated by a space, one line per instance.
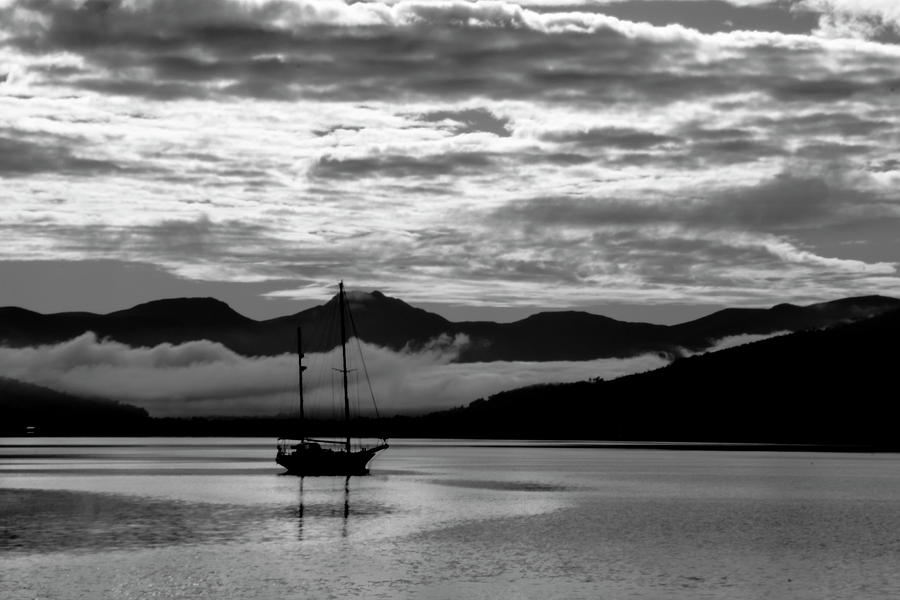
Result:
x=785 y=201
x=854 y=18
x=393 y=165
x=469 y=120
x=320 y=49
x=205 y=378
x=531 y=153
x=614 y=137
x=166 y=241
x=22 y=155
x=732 y=341
x=782 y=202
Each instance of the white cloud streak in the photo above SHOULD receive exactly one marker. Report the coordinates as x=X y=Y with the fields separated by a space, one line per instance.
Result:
x=733 y=341
x=854 y=18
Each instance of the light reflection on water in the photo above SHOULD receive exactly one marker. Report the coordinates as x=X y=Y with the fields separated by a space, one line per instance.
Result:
x=215 y=519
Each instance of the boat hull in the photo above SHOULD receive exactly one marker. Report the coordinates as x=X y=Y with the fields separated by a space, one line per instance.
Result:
x=322 y=462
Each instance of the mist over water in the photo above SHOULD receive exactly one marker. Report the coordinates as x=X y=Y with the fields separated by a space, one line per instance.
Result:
x=213 y=518
x=202 y=378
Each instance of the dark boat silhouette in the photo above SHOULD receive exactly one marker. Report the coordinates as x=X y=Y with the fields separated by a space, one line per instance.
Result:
x=308 y=456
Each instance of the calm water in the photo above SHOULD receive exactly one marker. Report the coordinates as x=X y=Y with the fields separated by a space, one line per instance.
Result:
x=213 y=518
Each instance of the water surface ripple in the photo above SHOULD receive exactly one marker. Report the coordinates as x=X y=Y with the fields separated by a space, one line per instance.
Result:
x=215 y=518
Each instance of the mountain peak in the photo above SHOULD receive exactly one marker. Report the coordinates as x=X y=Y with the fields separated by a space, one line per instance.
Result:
x=198 y=309
x=555 y=316
x=785 y=306
x=360 y=296
x=192 y=303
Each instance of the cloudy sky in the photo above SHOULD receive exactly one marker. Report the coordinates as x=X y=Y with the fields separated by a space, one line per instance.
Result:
x=649 y=159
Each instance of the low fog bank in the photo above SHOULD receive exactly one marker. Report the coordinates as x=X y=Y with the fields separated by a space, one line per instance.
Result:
x=206 y=378
x=203 y=378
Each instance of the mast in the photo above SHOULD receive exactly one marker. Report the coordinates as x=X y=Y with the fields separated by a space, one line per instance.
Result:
x=301 y=368
x=344 y=359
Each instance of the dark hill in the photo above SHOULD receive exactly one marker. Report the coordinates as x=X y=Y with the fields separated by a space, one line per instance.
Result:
x=569 y=335
x=581 y=336
x=21 y=327
x=700 y=333
x=50 y=412
x=832 y=386
x=174 y=320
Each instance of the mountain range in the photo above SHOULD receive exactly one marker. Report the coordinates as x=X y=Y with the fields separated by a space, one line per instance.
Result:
x=821 y=386
x=392 y=323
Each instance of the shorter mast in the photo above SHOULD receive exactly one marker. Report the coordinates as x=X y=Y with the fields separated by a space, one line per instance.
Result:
x=301 y=368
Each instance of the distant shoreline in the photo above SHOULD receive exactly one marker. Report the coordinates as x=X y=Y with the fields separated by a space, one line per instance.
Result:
x=506 y=443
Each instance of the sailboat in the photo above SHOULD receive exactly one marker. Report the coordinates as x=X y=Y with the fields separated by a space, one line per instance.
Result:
x=308 y=456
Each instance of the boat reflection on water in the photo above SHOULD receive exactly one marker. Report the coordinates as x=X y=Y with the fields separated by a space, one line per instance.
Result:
x=310 y=510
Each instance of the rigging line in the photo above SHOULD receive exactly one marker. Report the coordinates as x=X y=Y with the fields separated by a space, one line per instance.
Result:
x=358 y=411
x=363 y=360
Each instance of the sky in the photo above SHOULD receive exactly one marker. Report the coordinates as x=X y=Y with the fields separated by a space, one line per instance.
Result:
x=646 y=159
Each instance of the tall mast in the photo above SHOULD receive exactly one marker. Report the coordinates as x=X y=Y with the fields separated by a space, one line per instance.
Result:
x=301 y=368
x=344 y=358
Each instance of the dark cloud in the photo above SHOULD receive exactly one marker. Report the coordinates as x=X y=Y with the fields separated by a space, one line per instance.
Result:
x=702 y=148
x=185 y=240
x=683 y=261
x=689 y=146
x=470 y=120
x=330 y=130
x=218 y=49
x=655 y=261
x=832 y=151
x=440 y=236
x=820 y=122
x=669 y=257
x=257 y=248
x=23 y=154
x=891 y=164
x=399 y=165
x=563 y=159
x=784 y=202
x=870 y=240
x=735 y=150
x=456 y=163
x=819 y=90
x=199 y=237
x=153 y=90
x=609 y=137
x=587 y=212
x=702 y=133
